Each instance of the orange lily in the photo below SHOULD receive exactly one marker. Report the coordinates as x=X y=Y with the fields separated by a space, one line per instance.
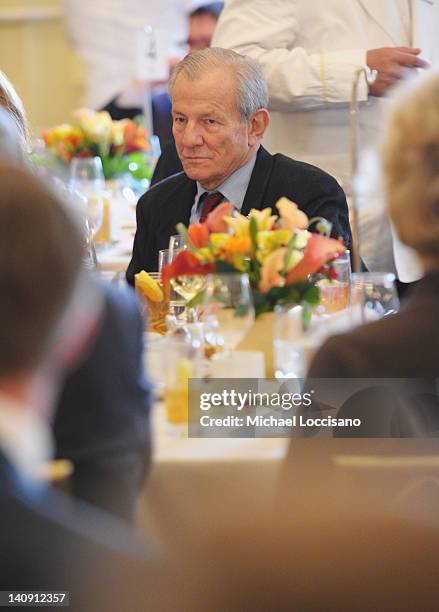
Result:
x=198 y=235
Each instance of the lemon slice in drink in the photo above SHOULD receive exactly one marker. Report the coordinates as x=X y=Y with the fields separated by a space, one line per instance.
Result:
x=148 y=286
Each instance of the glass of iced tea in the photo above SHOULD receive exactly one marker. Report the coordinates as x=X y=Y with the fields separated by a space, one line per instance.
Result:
x=149 y=288
x=335 y=293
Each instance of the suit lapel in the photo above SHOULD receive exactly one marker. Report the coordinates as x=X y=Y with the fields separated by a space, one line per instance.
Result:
x=386 y=15
x=176 y=209
x=257 y=187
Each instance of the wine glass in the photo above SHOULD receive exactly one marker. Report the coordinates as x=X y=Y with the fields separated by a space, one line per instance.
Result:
x=176 y=303
x=227 y=310
x=87 y=178
x=177 y=242
x=188 y=285
x=376 y=294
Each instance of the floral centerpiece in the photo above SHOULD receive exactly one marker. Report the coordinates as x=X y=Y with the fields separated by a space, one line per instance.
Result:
x=282 y=258
x=121 y=145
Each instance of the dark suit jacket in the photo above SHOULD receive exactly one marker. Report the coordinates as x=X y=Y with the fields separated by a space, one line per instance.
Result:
x=48 y=542
x=102 y=417
x=170 y=202
x=167 y=164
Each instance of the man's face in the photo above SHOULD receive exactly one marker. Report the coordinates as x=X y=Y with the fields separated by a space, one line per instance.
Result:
x=210 y=135
x=201 y=29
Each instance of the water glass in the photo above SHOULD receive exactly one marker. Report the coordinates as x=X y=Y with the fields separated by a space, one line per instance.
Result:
x=376 y=293
x=87 y=178
x=176 y=244
x=288 y=343
x=166 y=256
x=335 y=294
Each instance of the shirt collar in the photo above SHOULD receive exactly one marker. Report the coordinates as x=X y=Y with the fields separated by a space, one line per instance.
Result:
x=234 y=187
x=25 y=438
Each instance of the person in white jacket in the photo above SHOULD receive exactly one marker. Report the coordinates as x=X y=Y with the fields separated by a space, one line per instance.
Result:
x=309 y=51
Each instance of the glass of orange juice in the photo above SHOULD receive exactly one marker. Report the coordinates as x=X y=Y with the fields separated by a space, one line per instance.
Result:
x=184 y=359
x=153 y=297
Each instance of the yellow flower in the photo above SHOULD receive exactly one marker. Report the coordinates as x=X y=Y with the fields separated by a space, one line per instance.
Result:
x=96 y=126
x=118 y=132
x=294 y=257
x=264 y=218
x=205 y=255
x=63 y=131
x=269 y=241
x=239 y=224
x=218 y=240
x=290 y=215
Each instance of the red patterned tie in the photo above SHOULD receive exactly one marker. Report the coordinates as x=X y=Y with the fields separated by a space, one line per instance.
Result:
x=209 y=202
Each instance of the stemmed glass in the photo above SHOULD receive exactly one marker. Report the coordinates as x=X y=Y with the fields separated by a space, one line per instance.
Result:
x=176 y=244
x=227 y=310
x=87 y=178
x=176 y=303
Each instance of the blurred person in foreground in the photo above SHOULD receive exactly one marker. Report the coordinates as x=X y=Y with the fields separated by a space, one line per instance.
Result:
x=365 y=460
x=219 y=108
x=49 y=311
x=403 y=345
x=102 y=421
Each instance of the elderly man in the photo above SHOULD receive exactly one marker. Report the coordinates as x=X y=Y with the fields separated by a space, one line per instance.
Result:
x=219 y=101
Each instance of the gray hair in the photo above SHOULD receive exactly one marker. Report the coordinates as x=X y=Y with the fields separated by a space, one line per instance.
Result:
x=251 y=87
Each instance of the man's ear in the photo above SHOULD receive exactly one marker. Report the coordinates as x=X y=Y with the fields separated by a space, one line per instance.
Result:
x=257 y=126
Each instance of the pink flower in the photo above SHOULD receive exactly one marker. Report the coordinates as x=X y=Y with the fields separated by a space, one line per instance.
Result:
x=215 y=219
x=270 y=272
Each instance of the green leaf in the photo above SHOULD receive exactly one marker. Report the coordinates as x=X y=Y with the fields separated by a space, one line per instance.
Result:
x=306 y=315
x=253 y=228
x=197 y=299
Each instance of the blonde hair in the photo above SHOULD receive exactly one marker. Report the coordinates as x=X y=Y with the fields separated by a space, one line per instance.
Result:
x=411 y=164
x=251 y=88
x=11 y=102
